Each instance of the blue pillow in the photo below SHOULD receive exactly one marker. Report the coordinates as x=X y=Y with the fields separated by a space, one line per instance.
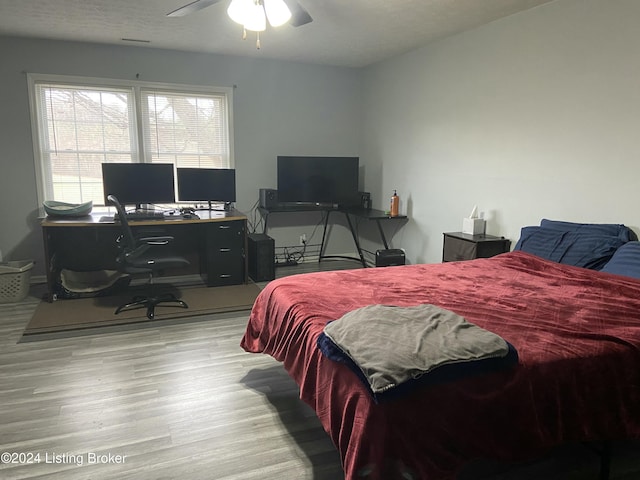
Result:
x=588 y=250
x=615 y=230
x=626 y=261
x=539 y=242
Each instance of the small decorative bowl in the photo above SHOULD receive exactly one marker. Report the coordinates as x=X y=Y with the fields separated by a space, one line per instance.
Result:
x=62 y=209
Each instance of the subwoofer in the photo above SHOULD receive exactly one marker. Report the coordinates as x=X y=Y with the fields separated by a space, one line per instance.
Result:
x=262 y=261
x=268 y=198
x=390 y=257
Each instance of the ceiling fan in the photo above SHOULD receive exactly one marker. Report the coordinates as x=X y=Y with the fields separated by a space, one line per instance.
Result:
x=299 y=16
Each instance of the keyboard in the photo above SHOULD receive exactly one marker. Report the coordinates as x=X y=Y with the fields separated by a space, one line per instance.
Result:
x=142 y=215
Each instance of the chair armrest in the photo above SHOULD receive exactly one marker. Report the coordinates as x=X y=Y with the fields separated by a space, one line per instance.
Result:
x=144 y=244
x=155 y=240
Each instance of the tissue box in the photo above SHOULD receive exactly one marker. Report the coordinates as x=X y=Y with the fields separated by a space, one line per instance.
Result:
x=473 y=226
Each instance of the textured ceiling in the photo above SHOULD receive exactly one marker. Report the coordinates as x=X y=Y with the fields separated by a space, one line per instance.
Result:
x=344 y=32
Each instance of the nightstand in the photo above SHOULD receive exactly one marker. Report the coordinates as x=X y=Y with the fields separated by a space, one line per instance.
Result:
x=463 y=246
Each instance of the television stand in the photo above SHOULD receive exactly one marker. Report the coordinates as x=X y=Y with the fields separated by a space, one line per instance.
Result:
x=360 y=213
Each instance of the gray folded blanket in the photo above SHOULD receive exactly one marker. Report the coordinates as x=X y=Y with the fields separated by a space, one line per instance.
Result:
x=391 y=345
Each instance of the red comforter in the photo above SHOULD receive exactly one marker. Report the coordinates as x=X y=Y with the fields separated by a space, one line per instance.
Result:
x=577 y=333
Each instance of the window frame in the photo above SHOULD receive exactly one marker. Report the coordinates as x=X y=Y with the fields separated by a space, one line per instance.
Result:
x=138 y=147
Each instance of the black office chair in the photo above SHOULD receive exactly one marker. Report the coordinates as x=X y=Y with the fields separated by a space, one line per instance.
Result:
x=138 y=255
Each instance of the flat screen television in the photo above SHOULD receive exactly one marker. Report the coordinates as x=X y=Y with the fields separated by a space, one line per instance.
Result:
x=139 y=183
x=206 y=185
x=318 y=180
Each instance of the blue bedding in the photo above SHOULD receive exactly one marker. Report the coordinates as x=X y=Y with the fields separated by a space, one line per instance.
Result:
x=626 y=261
x=586 y=245
x=620 y=231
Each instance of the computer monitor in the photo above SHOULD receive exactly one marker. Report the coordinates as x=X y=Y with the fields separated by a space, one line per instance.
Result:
x=139 y=183
x=207 y=185
x=318 y=180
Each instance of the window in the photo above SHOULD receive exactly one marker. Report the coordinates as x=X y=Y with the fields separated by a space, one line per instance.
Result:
x=189 y=131
x=81 y=123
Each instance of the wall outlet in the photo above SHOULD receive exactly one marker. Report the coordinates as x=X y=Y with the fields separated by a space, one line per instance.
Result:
x=303 y=239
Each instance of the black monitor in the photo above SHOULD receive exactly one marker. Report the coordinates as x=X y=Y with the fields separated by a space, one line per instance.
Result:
x=139 y=183
x=207 y=185
x=318 y=180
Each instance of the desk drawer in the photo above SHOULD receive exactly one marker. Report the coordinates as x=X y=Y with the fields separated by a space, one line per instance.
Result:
x=226 y=268
x=225 y=263
x=226 y=234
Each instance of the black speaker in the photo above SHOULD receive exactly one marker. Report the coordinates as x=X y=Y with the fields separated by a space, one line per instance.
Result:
x=262 y=257
x=389 y=257
x=268 y=198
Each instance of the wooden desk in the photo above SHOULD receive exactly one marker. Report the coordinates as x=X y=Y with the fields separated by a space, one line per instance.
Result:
x=359 y=213
x=215 y=244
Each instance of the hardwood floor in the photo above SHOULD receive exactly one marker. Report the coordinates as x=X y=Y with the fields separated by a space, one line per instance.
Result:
x=177 y=401
x=180 y=401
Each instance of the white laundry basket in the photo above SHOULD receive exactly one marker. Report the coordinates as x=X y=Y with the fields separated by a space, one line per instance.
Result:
x=14 y=280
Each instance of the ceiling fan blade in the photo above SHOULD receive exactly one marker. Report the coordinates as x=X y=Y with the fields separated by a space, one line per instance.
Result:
x=299 y=16
x=191 y=7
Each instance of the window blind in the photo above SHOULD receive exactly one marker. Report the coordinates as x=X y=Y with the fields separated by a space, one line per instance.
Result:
x=187 y=130
x=80 y=128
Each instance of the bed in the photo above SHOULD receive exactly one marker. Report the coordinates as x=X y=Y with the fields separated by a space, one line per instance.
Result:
x=576 y=331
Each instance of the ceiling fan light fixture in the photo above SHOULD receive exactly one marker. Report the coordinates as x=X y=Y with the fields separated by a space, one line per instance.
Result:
x=256 y=21
x=277 y=12
x=239 y=10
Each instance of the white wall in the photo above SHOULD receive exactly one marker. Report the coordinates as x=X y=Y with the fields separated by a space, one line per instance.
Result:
x=535 y=115
x=280 y=108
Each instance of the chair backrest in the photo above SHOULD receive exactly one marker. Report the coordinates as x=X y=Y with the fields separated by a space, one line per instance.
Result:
x=127 y=234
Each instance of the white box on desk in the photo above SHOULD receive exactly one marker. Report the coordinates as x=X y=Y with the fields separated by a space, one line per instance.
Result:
x=473 y=226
